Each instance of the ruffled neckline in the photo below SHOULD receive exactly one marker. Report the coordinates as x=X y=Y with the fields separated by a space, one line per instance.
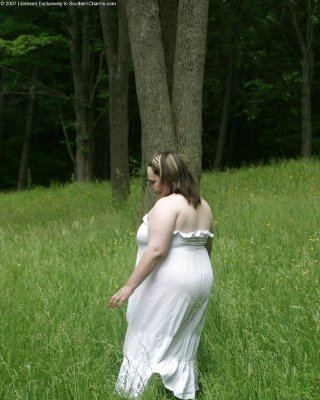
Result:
x=193 y=234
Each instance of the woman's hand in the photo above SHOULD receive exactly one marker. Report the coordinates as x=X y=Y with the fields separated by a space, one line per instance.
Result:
x=118 y=298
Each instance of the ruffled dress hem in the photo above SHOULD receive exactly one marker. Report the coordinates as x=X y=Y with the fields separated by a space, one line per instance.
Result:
x=178 y=376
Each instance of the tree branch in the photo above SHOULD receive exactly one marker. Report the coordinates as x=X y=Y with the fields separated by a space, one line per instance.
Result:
x=66 y=136
x=94 y=89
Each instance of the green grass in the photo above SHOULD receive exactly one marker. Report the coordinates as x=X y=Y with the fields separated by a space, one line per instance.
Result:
x=65 y=250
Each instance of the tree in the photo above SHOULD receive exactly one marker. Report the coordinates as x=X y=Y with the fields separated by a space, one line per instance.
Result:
x=116 y=41
x=188 y=80
x=304 y=34
x=82 y=61
x=25 y=156
x=166 y=124
x=151 y=77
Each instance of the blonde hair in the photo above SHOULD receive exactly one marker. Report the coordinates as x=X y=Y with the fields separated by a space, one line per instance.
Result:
x=175 y=176
x=157 y=163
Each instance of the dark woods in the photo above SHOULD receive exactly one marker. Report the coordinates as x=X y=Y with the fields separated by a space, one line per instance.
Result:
x=91 y=92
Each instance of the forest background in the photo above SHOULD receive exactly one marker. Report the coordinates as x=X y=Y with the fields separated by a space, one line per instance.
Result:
x=69 y=108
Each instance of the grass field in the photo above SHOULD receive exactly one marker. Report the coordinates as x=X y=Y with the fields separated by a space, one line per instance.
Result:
x=65 y=250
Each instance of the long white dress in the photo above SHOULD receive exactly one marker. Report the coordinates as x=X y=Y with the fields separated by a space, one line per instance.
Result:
x=165 y=315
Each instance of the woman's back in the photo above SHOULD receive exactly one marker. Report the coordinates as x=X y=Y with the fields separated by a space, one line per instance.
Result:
x=188 y=218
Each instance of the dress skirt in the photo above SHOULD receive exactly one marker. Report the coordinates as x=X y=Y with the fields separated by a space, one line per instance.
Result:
x=165 y=316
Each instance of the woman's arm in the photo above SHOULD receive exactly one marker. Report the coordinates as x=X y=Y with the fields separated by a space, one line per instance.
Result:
x=162 y=219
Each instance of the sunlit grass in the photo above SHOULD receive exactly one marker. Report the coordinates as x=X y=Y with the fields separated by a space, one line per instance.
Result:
x=65 y=250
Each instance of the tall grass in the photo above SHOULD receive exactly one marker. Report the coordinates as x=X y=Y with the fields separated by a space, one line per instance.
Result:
x=65 y=250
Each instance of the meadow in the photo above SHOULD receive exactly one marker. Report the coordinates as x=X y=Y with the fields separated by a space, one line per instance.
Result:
x=65 y=249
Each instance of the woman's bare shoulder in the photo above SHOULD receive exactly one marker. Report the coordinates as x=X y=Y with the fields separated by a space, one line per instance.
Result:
x=163 y=205
x=168 y=206
x=170 y=200
x=162 y=211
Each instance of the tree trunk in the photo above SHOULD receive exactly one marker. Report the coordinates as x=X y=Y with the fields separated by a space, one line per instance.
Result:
x=82 y=67
x=168 y=21
x=305 y=41
x=151 y=77
x=306 y=124
x=188 y=80
x=116 y=41
x=223 y=130
x=176 y=124
x=25 y=156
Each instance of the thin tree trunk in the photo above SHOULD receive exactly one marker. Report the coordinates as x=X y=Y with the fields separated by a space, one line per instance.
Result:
x=188 y=80
x=151 y=77
x=116 y=41
x=25 y=156
x=305 y=42
x=82 y=66
x=306 y=112
x=223 y=131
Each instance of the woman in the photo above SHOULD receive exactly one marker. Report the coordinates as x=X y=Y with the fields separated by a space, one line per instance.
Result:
x=170 y=286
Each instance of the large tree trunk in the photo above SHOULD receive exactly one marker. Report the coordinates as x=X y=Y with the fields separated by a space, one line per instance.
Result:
x=168 y=21
x=224 y=123
x=151 y=77
x=305 y=40
x=116 y=41
x=188 y=80
x=175 y=124
x=82 y=67
x=25 y=156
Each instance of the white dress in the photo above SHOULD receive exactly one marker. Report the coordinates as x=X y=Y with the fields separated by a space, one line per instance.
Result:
x=165 y=315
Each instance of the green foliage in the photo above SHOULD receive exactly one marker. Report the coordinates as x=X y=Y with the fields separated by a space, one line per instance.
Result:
x=25 y=43
x=264 y=121
x=65 y=250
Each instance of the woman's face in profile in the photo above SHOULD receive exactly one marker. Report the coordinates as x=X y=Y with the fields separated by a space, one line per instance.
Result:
x=154 y=182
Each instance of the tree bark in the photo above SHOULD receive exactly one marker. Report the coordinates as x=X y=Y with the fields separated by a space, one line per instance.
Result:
x=175 y=124
x=188 y=80
x=151 y=77
x=305 y=42
x=25 y=155
x=168 y=21
x=82 y=67
x=306 y=112
x=116 y=42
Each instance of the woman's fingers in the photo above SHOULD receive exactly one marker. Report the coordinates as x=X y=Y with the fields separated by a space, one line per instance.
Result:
x=120 y=297
x=115 y=301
